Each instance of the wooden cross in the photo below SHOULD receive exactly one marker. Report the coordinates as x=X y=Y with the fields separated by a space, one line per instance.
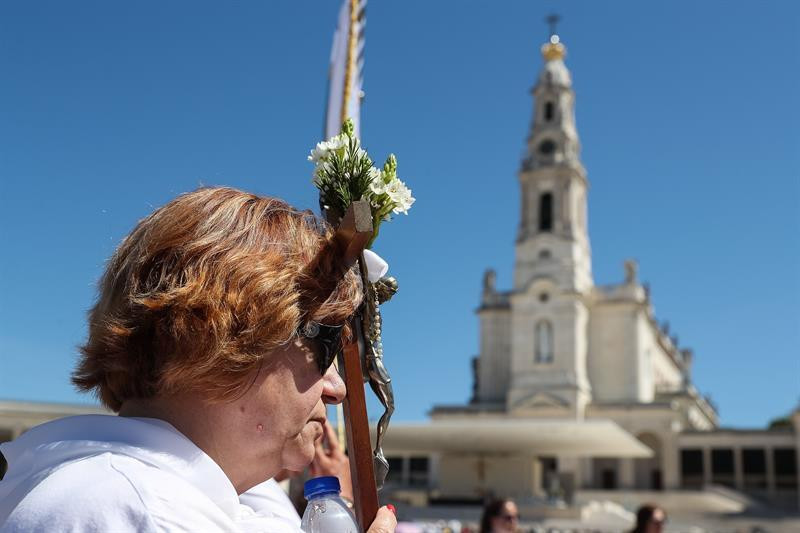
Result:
x=352 y=235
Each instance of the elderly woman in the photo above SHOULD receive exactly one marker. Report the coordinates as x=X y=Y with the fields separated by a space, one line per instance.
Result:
x=213 y=335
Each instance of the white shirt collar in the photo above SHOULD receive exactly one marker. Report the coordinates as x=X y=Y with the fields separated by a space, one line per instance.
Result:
x=152 y=441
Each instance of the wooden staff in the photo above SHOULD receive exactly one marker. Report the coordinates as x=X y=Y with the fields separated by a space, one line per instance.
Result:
x=353 y=234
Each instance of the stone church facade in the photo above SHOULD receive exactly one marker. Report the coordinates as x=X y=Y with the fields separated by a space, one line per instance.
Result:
x=558 y=346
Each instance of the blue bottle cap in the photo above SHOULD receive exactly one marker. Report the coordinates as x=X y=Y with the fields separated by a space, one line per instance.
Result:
x=321 y=485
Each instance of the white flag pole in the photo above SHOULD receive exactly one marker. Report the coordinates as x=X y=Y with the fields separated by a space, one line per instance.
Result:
x=345 y=93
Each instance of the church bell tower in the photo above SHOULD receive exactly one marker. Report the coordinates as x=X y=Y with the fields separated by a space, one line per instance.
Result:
x=552 y=272
x=553 y=237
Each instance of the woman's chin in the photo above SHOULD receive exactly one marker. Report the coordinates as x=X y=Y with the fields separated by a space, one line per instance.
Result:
x=299 y=453
x=297 y=462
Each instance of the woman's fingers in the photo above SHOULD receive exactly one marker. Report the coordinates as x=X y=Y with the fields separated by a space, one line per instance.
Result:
x=385 y=521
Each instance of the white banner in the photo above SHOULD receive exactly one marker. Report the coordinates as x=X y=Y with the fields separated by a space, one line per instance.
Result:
x=345 y=76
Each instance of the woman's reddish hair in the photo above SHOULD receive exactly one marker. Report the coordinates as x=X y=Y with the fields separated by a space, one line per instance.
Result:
x=201 y=291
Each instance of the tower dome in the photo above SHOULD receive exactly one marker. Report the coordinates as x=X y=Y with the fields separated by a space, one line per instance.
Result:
x=554 y=71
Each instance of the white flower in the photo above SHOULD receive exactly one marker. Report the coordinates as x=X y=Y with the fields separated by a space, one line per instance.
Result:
x=335 y=174
x=376 y=184
x=337 y=142
x=324 y=148
x=319 y=152
x=400 y=195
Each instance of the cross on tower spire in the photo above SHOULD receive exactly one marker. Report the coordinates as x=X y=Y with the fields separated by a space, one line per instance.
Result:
x=552 y=21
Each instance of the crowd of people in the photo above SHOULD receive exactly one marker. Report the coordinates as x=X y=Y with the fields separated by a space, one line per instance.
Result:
x=502 y=516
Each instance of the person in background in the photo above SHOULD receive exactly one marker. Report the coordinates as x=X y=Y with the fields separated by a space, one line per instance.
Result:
x=500 y=516
x=330 y=460
x=650 y=518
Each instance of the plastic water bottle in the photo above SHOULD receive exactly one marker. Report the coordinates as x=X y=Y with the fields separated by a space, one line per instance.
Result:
x=326 y=511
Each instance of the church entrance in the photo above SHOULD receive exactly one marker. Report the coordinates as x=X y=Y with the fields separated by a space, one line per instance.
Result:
x=647 y=472
x=605 y=473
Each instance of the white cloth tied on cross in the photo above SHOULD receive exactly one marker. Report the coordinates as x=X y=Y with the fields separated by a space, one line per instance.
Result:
x=376 y=266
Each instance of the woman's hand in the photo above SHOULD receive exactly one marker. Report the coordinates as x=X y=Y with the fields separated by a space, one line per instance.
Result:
x=385 y=521
x=330 y=460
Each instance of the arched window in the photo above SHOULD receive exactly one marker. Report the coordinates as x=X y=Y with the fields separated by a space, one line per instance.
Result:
x=546 y=212
x=548 y=111
x=543 y=341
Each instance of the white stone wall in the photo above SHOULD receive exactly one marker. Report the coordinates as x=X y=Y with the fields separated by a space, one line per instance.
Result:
x=564 y=378
x=494 y=367
x=738 y=439
x=613 y=364
x=474 y=475
x=648 y=356
x=568 y=264
x=626 y=361
x=662 y=373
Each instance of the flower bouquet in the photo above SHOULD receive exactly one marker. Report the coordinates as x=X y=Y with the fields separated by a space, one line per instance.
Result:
x=344 y=173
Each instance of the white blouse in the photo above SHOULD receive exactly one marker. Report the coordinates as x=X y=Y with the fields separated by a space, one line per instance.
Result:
x=99 y=473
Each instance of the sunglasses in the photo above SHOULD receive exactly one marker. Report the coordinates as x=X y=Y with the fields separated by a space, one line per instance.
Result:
x=508 y=517
x=328 y=341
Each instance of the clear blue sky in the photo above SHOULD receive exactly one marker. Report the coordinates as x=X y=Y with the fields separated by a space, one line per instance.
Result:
x=687 y=111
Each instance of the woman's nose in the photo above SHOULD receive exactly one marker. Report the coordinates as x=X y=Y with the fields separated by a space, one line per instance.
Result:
x=333 y=389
